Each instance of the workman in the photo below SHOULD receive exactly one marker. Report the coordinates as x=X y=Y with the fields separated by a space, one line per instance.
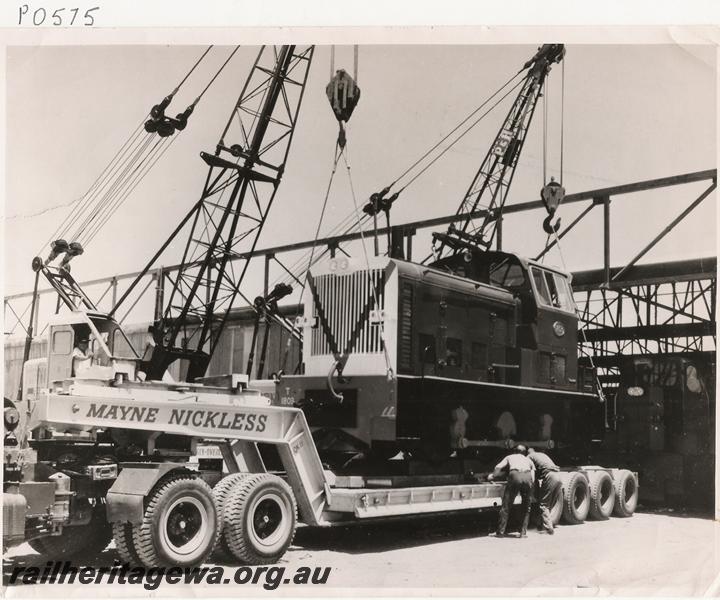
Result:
x=81 y=357
x=520 y=473
x=548 y=485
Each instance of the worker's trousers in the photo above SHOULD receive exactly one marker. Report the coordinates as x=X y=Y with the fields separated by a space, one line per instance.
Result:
x=518 y=482
x=549 y=490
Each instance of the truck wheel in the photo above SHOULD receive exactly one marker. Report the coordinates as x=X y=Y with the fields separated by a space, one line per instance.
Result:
x=180 y=526
x=221 y=492
x=576 y=495
x=79 y=542
x=626 y=493
x=260 y=519
x=602 y=495
x=123 y=535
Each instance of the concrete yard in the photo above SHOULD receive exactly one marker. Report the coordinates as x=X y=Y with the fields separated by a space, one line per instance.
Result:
x=650 y=554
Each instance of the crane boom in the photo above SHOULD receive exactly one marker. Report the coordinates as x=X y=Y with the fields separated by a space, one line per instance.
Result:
x=243 y=175
x=491 y=184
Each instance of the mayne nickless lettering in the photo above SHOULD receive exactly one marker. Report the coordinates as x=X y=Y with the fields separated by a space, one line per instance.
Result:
x=215 y=419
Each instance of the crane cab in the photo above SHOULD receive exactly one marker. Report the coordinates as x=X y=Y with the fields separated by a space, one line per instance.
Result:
x=109 y=351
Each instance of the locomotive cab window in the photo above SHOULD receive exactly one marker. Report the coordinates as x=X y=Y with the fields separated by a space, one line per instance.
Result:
x=507 y=273
x=552 y=289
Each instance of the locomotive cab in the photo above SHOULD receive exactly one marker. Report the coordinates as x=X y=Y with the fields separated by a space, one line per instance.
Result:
x=545 y=354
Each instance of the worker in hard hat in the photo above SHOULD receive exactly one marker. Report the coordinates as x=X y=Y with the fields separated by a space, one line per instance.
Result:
x=520 y=473
x=81 y=356
x=548 y=485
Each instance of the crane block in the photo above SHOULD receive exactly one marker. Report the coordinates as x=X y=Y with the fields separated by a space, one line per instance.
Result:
x=343 y=94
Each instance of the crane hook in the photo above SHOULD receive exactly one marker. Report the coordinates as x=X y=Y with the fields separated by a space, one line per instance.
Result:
x=551 y=228
x=552 y=195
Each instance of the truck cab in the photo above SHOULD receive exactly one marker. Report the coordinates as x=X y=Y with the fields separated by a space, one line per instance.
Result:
x=112 y=356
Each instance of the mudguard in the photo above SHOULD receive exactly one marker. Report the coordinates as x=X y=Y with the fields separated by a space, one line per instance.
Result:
x=126 y=496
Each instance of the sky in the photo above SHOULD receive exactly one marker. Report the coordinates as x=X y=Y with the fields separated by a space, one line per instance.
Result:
x=631 y=113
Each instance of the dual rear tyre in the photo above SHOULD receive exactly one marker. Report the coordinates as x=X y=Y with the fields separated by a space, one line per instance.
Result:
x=259 y=519
x=246 y=518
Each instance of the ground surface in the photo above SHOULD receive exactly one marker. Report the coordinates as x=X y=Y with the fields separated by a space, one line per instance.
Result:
x=648 y=554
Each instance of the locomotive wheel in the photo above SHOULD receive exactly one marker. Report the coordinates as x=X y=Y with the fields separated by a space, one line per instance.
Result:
x=602 y=495
x=221 y=492
x=576 y=494
x=259 y=519
x=626 y=493
x=180 y=526
x=80 y=542
x=123 y=534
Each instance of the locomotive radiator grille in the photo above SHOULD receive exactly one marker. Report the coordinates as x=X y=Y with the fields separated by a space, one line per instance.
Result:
x=344 y=299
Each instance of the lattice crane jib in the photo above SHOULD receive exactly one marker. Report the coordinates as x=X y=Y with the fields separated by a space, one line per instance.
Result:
x=491 y=184
x=225 y=223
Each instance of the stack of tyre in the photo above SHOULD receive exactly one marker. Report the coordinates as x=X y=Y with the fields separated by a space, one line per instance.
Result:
x=595 y=493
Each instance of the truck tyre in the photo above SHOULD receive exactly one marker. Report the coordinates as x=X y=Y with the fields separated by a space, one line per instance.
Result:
x=626 y=493
x=180 y=526
x=123 y=535
x=576 y=495
x=79 y=542
x=221 y=492
x=602 y=495
x=259 y=519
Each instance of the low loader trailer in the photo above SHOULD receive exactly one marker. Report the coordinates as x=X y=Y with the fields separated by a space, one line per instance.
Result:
x=74 y=487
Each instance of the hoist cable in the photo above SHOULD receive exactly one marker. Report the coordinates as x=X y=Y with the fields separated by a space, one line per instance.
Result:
x=155 y=154
x=85 y=199
x=544 y=134
x=355 y=63
x=463 y=134
x=580 y=320
x=338 y=152
x=450 y=133
x=214 y=77
x=119 y=179
x=298 y=267
x=562 y=120
x=105 y=194
x=119 y=193
x=85 y=217
x=349 y=221
x=388 y=363
x=129 y=163
x=184 y=79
